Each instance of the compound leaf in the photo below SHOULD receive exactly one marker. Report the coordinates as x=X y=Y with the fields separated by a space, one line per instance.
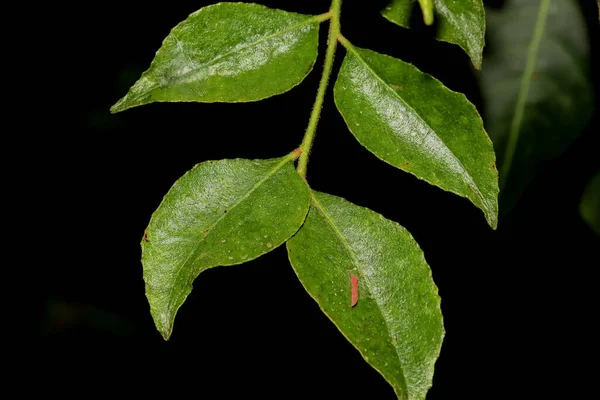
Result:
x=219 y=213
x=396 y=323
x=229 y=52
x=411 y=121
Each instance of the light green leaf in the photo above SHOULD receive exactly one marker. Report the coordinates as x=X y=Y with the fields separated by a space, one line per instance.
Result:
x=411 y=121
x=229 y=52
x=219 y=213
x=460 y=22
x=590 y=204
x=536 y=86
x=396 y=324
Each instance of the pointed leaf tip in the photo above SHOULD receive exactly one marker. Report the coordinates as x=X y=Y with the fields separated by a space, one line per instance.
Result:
x=395 y=321
x=229 y=52
x=461 y=22
x=220 y=213
x=411 y=121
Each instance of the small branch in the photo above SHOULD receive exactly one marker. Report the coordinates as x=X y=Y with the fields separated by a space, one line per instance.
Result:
x=309 y=135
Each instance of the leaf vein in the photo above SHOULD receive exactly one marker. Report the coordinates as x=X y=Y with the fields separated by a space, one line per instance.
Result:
x=193 y=255
x=363 y=276
x=468 y=178
x=519 y=112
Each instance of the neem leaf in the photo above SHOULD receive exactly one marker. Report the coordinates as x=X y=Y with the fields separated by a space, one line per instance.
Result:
x=411 y=121
x=219 y=213
x=536 y=85
x=461 y=22
x=589 y=207
x=229 y=52
x=396 y=324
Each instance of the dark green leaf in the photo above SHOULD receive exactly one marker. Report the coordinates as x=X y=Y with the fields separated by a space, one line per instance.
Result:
x=411 y=121
x=219 y=213
x=536 y=85
x=397 y=323
x=461 y=22
x=229 y=52
x=590 y=203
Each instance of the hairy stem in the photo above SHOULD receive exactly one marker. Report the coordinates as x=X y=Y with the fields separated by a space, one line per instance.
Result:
x=309 y=135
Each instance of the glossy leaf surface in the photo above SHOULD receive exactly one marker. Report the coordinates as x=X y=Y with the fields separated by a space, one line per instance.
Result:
x=229 y=52
x=411 y=121
x=536 y=86
x=590 y=204
x=396 y=324
x=219 y=213
x=461 y=22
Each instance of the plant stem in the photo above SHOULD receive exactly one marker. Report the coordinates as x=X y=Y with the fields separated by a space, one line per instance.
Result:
x=309 y=135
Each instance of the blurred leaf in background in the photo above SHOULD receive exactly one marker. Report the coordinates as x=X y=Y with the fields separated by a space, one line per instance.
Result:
x=536 y=86
x=590 y=203
x=62 y=317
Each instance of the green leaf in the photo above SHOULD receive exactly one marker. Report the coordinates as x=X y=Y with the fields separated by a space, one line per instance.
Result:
x=589 y=207
x=229 y=52
x=397 y=323
x=411 y=121
x=536 y=85
x=460 y=22
x=219 y=213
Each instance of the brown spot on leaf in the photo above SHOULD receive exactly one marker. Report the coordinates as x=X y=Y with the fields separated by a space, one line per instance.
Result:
x=354 y=280
x=145 y=237
x=310 y=67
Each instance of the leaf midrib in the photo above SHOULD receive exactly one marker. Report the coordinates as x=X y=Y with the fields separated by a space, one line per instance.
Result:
x=358 y=264
x=470 y=182
x=311 y=20
x=519 y=111
x=194 y=255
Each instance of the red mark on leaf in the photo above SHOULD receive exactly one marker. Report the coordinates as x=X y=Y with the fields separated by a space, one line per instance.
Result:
x=354 y=290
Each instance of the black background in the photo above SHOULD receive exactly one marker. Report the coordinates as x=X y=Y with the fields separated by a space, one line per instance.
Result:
x=518 y=302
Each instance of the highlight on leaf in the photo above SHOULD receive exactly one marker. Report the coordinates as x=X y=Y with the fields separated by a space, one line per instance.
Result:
x=229 y=52
x=397 y=324
x=402 y=116
x=220 y=213
x=228 y=212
